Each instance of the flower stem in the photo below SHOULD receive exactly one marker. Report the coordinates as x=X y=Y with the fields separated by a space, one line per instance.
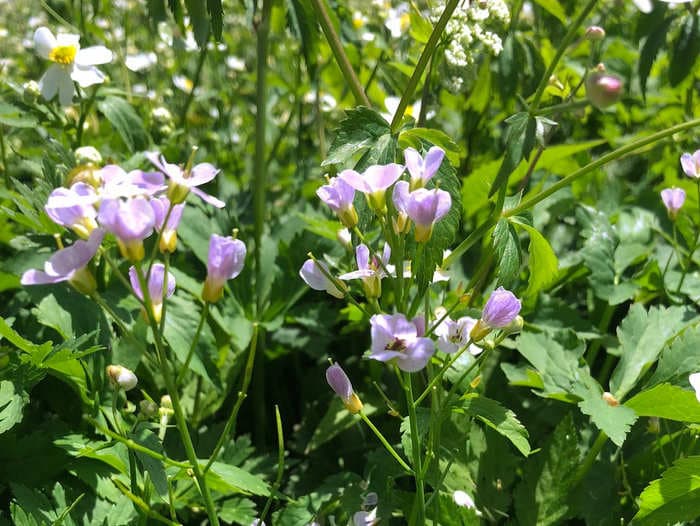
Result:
x=589 y=459
x=195 y=83
x=385 y=443
x=423 y=61
x=418 y=512
x=339 y=53
x=193 y=345
x=442 y=372
x=280 y=464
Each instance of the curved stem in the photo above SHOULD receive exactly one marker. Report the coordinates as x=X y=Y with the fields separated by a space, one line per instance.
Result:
x=589 y=459
x=425 y=57
x=339 y=53
x=385 y=442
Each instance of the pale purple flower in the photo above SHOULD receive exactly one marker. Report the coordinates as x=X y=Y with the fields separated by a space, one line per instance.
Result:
x=694 y=380
x=501 y=309
x=425 y=208
x=156 y=289
x=399 y=196
x=422 y=169
x=129 y=220
x=116 y=182
x=74 y=208
x=312 y=275
x=373 y=182
x=691 y=164
x=673 y=199
x=396 y=338
x=70 y=63
x=225 y=261
x=339 y=196
x=370 y=270
x=454 y=334
x=340 y=383
x=64 y=264
x=168 y=231
x=182 y=182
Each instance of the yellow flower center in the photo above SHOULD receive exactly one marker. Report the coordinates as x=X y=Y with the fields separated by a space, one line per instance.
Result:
x=63 y=54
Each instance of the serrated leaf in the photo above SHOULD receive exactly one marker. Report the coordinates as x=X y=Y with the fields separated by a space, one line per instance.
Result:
x=543 y=263
x=614 y=421
x=507 y=247
x=12 y=401
x=642 y=334
x=685 y=50
x=651 y=47
x=126 y=121
x=359 y=131
x=679 y=358
x=673 y=498
x=499 y=418
x=519 y=140
x=667 y=401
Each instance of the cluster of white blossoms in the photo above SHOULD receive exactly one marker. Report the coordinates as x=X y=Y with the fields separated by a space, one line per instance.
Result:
x=469 y=30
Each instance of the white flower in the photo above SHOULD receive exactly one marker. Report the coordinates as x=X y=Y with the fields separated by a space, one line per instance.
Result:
x=462 y=499
x=694 y=380
x=70 y=63
x=140 y=61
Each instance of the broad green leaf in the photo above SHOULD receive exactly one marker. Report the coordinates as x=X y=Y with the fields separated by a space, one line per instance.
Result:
x=679 y=358
x=126 y=121
x=216 y=14
x=197 y=11
x=359 y=131
x=51 y=314
x=494 y=415
x=673 y=498
x=642 y=334
x=543 y=263
x=519 y=140
x=541 y=499
x=13 y=116
x=507 y=247
x=12 y=401
x=155 y=467
x=667 y=401
x=614 y=421
x=685 y=50
x=25 y=345
x=554 y=8
x=226 y=478
x=414 y=137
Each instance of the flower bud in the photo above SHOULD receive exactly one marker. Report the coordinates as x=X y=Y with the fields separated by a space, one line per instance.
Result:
x=148 y=408
x=340 y=383
x=515 y=326
x=603 y=89
x=83 y=281
x=595 y=33
x=87 y=155
x=121 y=377
x=162 y=116
x=673 y=199
x=31 y=92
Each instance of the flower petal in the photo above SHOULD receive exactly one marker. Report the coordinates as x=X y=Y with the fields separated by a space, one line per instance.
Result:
x=87 y=76
x=44 y=42
x=50 y=81
x=94 y=55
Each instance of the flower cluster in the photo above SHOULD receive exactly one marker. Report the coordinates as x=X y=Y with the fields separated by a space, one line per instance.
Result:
x=132 y=206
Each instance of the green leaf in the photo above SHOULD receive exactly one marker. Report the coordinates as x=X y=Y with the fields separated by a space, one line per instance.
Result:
x=642 y=334
x=673 y=498
x=12 y=401
x=679 y=358
x=415 y=136
x=614 y=421
x=238 y=510
x=685 y=50
x=542 y=498
x=543 y=263
x=126 y=121
x=494 y=415
x=305 y=24
x=667 y=401
x=359 y=131
x=13 y=116
x=197 y=11
x=651 y=47
x=519 y=140
x=507 y=247
x=155 y=467
x=216 y=15
x=226 y=478
x=554 y=8
x=50 y=313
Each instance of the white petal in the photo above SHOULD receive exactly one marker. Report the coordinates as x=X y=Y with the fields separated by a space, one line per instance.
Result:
x=68 y=39
x=87 y=76
x=44 y=42
x=65 y=90
x=50 y=81
x=92 y=56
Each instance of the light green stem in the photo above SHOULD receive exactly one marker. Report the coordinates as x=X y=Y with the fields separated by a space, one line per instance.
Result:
x=385 y=443
x=193 y=345
x=418 y=513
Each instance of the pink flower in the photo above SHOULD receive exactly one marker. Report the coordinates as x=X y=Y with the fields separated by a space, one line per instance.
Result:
x=394 y=338
x=225 y=261
x=425 y=208
x=155 y=284
x=691 y=164
x=315 y=278
x=373 y=182
x=340 y=383
x=184 y=181
x=339 y=196
x=673 y=199
x=423 y=169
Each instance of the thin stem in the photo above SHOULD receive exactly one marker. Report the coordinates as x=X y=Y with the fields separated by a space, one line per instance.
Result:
x=193 y=345
x=425 y=57
x=568 y=39
x=419 y=503
x=385 y=443
x=195 y=83
x=564 y=106
x=231 y=422
x=590 y=459
x=280 y=464
x=85 y=109
x=442 y=372
x=339 y=53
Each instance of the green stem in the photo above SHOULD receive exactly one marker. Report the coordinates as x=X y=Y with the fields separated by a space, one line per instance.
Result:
x=280 y=465
x=85 y=109
x=195 y=83
x=602 y=326
x=419 y=504
x=568 y=39
x=339 y=53
x=193 y=345
x=442 y=372
x=564 y=106
x=385 y=443
x=231 y=422
x=177 y=406
x=590 y=459
x=423 y=61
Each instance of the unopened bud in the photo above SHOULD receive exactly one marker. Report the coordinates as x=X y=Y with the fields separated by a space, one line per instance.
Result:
x=31 y=92
x=87 y=155
x=121 y=377
x=340 y=383
x=603 y=89
x=166 y=402
x=515 y=326
x=148 y=408
x=162 y=116
x=610 y=399
x=595 y=33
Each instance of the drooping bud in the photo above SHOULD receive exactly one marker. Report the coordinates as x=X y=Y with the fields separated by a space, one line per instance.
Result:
x=603 y=89
x=595 y=33
x=499 y=312
x=148 y=408
x=340 y=383
x=121 y=377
